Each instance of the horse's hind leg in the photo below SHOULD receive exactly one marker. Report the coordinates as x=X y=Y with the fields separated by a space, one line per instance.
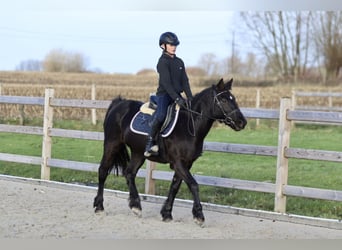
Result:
x=106 y=166
x=130 y=173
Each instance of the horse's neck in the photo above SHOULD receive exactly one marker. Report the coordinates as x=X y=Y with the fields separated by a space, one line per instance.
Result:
x=203 y=122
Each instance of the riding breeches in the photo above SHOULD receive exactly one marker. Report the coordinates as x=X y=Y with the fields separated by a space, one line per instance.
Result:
x=163 y=101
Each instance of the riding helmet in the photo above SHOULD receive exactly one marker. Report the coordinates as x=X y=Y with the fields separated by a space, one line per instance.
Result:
x=168 y=38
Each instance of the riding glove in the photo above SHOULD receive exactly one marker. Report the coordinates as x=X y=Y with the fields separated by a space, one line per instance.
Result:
x=180 y=101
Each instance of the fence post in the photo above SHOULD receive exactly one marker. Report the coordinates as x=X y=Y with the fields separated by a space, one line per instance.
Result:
x=282 y=161
x=21 y=114
x=93 y=97
x=293 y=103
x=257 y=105
x=293 y=98
x=149 y=181
x=330 y=104
x=47 y=125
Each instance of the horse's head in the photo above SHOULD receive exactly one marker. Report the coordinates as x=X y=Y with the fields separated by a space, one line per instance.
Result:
x=225 y=108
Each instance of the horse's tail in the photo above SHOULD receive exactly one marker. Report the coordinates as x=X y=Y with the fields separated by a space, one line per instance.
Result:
x=113 y=104
x=120 y=154
x=121 y=158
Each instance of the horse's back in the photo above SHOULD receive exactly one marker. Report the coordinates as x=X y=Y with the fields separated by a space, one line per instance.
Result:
x=119 y=113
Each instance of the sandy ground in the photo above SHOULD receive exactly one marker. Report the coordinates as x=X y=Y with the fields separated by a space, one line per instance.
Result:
x=31 y=210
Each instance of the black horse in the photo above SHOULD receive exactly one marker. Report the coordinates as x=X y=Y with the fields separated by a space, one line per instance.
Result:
x=180 y=149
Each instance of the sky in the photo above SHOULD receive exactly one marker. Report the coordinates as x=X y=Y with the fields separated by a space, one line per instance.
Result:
x=119 y=36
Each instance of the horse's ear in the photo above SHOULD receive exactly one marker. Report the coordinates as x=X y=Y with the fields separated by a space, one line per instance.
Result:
x=229 y=84
x=220 y=85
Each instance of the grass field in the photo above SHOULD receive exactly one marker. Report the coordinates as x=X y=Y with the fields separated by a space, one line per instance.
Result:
x=317 y=174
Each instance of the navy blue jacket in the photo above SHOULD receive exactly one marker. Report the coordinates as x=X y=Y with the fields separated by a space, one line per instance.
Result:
x=172 y=77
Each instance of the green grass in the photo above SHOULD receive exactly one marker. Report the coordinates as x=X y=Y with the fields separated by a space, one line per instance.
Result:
x=319 y=174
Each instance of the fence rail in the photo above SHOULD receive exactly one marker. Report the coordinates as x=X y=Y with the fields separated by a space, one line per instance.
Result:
x=282 y=151
x=329 y=95
x=89 y=90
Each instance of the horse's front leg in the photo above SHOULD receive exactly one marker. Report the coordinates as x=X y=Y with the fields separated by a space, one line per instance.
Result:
x=166 y=211
x=197 y=207
x=185 y=174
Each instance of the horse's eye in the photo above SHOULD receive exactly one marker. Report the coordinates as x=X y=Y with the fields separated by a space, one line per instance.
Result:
x=224 y=100
x=230 y=97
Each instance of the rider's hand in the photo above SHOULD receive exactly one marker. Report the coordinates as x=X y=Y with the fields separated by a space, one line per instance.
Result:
x=180 y=101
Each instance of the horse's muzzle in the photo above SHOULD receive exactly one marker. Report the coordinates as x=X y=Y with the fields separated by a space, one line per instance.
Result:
x=236 y=124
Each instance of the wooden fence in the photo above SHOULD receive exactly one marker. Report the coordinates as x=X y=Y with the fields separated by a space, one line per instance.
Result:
x=283 y=152
x=91 y=91
x=328 y=95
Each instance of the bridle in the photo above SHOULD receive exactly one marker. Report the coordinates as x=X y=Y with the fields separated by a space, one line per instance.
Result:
x=227 y=116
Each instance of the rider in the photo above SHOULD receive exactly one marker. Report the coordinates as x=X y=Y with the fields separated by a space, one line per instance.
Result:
x=173 y=80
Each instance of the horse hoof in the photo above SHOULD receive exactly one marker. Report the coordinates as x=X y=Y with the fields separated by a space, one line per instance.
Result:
x=199 y=222
x=167 y=219
x=100 y=214
x=137 y=212
x=99 y=210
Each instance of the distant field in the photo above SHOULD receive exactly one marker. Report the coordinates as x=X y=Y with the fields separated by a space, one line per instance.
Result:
x=136 y=87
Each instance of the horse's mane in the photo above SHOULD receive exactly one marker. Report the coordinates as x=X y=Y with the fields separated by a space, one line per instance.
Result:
x=202 y=96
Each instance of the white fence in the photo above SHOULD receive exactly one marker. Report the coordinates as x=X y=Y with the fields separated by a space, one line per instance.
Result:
x=283 y=152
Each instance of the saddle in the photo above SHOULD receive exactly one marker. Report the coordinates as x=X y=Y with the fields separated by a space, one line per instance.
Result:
x=140 y=123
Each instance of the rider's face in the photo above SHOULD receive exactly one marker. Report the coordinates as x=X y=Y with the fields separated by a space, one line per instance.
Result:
x=171 y=49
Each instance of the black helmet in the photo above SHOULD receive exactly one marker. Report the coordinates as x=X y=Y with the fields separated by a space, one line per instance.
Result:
x=168 y=38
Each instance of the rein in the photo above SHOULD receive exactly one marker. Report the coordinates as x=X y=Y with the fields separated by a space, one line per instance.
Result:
x=227 y=119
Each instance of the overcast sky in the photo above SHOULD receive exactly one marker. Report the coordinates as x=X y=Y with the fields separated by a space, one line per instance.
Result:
x=120 y=36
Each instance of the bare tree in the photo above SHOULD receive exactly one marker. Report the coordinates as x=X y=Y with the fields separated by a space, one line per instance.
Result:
x=252 y=66
x=208 y=62
x=30 y=65
x=235 y=64
x=58 y=60
x=283 y=39
x=328 y=40
x=249 y=66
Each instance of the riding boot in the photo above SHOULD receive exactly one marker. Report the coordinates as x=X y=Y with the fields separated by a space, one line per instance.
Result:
x=151 y=145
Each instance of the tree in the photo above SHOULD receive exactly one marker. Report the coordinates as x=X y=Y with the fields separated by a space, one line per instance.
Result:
x=282 y=37
x=208 y=62
x=30 y=65
x=328 y=41
x=235 y=65
x=252 y=66
x=58 y=60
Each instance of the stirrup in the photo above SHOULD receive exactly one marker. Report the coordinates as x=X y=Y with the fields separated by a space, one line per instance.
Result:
x=152 y=151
